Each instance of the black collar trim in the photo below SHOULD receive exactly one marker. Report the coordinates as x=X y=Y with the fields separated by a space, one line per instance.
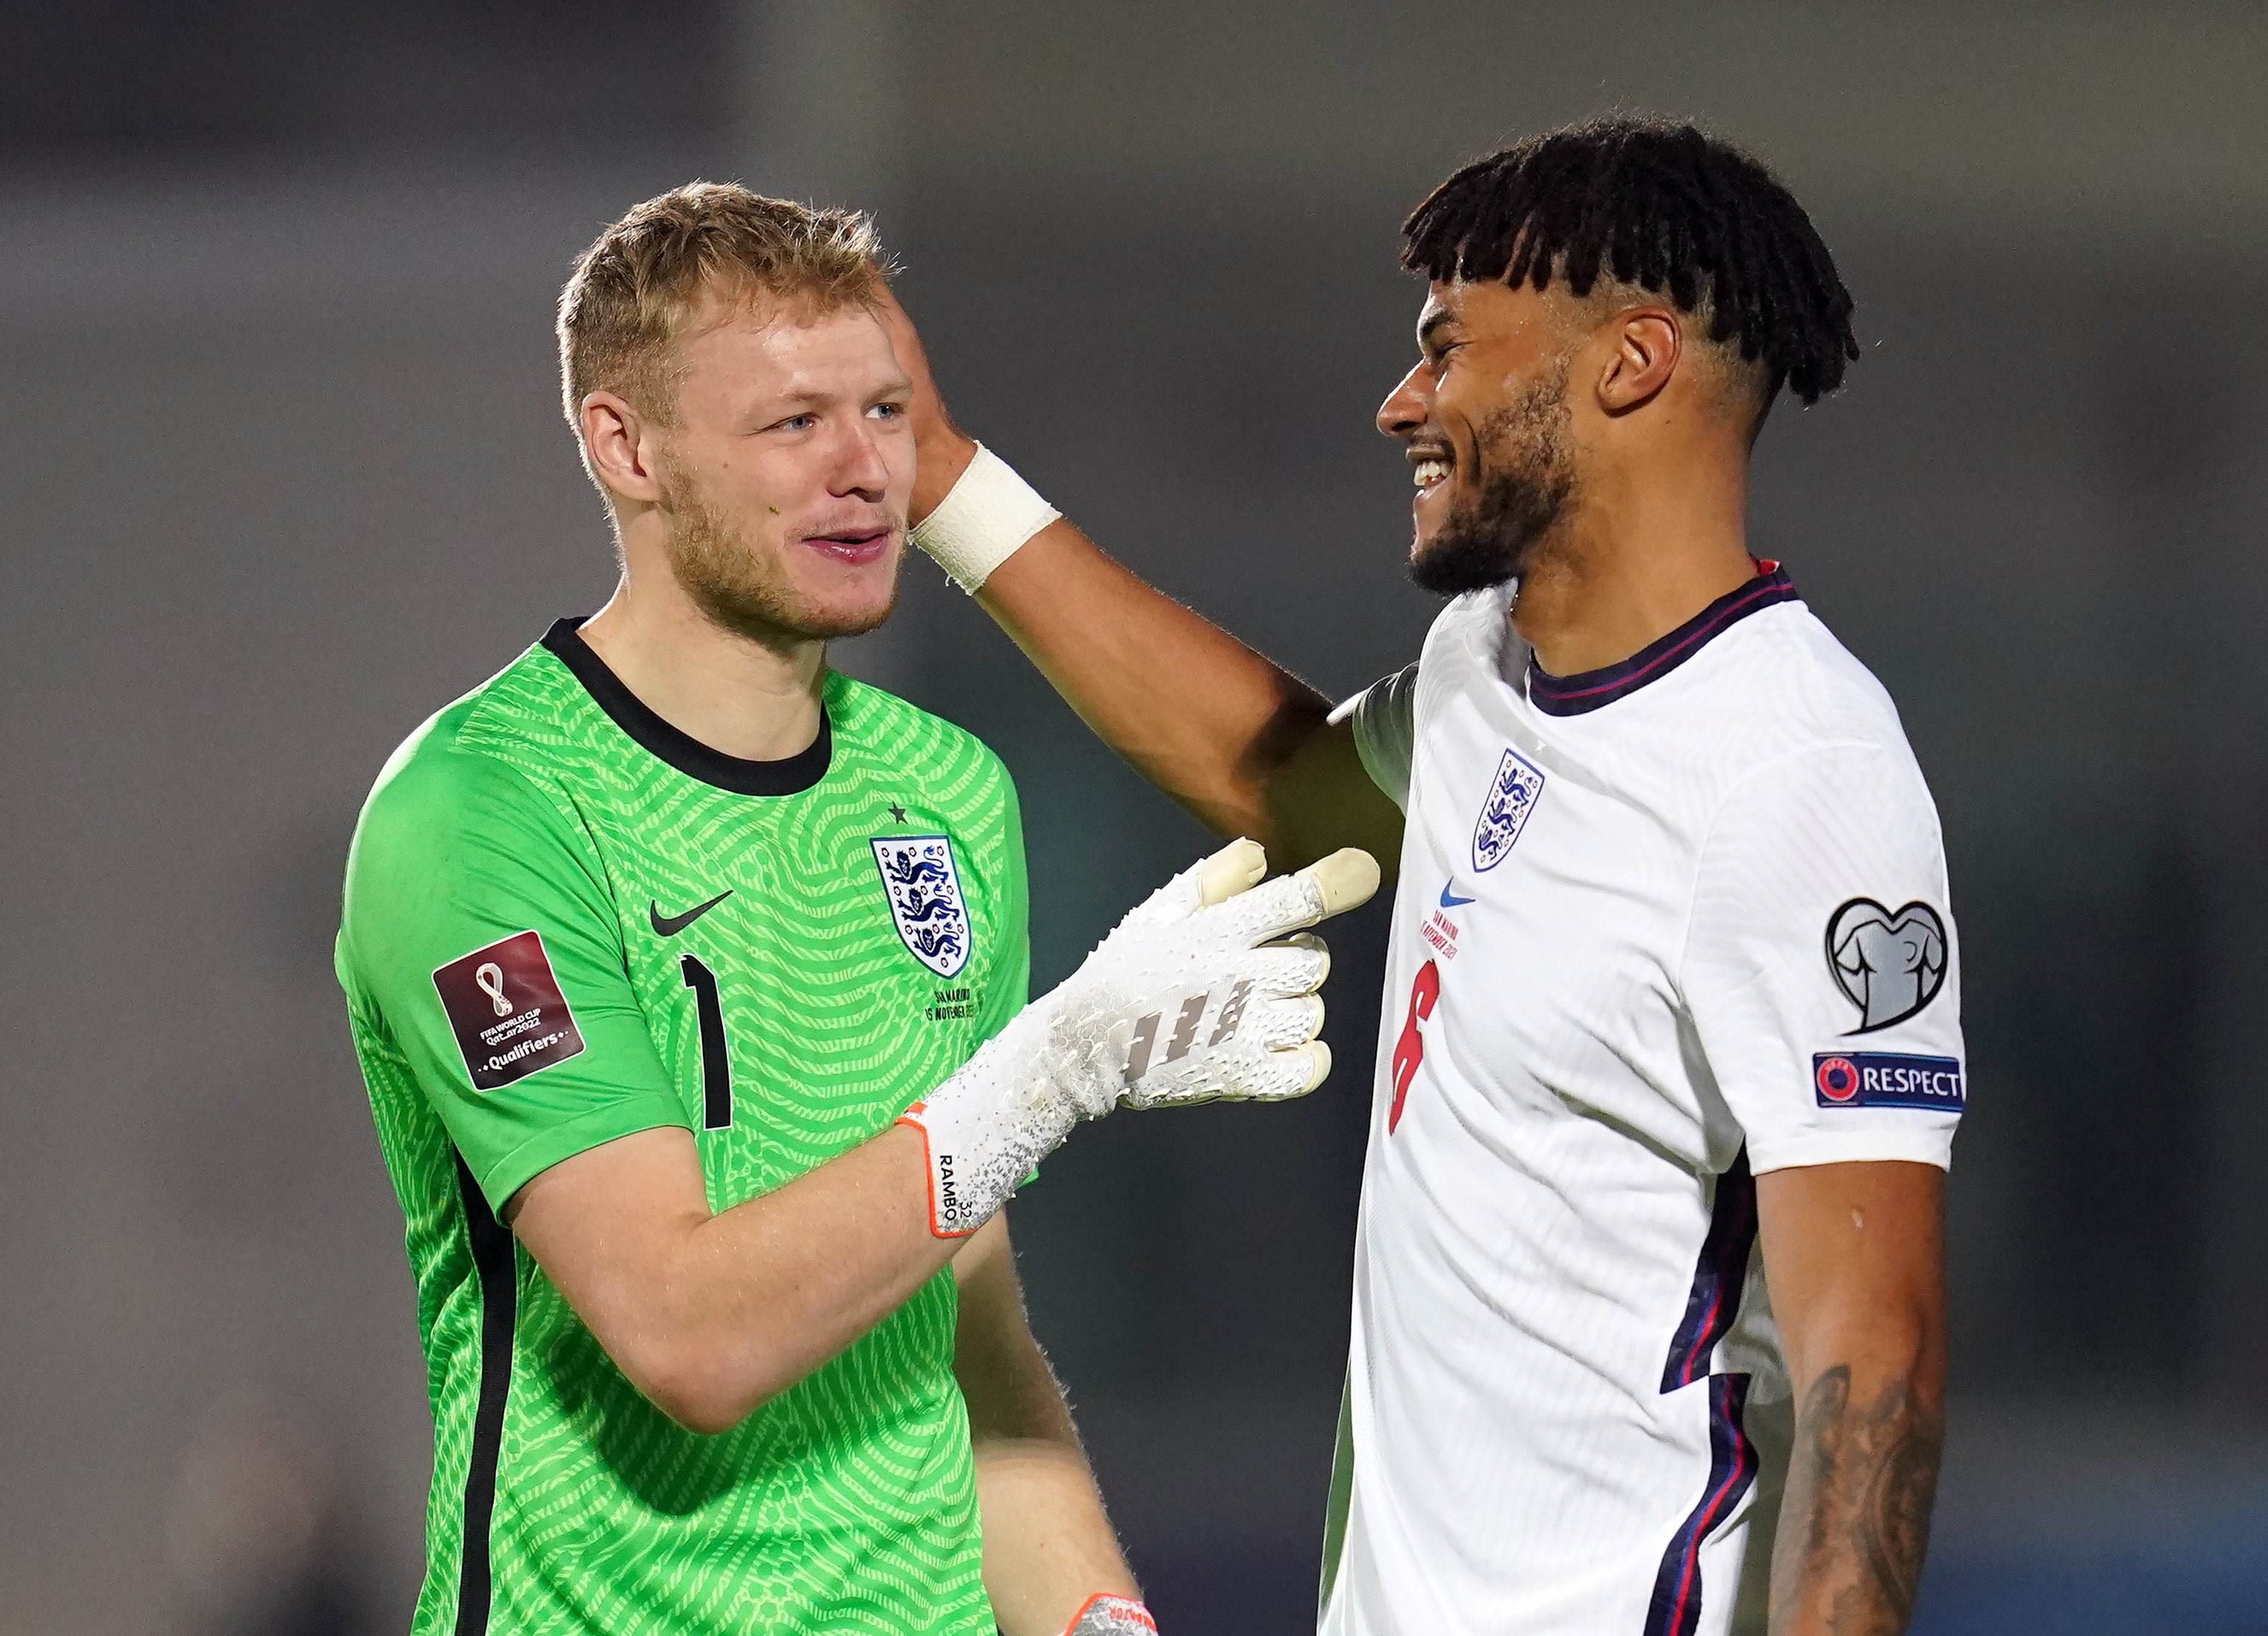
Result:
x=791 y=776
x=1590 y=689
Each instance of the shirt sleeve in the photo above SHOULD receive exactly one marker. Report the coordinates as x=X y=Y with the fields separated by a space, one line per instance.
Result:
x=1820 y=969
x=479 y=931
x=1385 y=716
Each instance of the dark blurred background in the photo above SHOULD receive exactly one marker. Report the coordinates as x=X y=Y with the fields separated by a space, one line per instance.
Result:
x=285 y=471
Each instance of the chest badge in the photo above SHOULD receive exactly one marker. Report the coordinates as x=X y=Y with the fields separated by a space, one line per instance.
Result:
x=1512 y=797
x=924 y=885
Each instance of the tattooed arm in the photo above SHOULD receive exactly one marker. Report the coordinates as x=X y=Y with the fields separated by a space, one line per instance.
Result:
x=1855 y=1256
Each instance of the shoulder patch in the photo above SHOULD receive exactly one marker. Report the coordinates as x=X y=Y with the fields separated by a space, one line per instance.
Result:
x=1888 y=1080
x=1889 y=963
x=505 y=1006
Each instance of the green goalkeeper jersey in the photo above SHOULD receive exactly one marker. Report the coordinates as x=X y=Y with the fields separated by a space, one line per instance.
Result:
x=566 y=922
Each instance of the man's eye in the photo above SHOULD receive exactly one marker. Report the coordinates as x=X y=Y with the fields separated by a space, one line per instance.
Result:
x=888 y=411
x=798 y=422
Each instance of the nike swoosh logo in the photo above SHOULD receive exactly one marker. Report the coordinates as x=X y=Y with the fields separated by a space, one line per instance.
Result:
x=1449 y=899
x=670 y=926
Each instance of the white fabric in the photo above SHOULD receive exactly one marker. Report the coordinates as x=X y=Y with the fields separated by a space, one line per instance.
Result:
x=983 y=521
x=1635 y=990
x=1183 y=1003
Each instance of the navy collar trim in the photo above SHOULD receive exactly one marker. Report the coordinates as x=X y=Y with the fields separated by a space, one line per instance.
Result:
x=790 y=775
x=1590 y=689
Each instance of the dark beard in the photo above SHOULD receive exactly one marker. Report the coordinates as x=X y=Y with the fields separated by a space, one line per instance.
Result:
x=1526 y=479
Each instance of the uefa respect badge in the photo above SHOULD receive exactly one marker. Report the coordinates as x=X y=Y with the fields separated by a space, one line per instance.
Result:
x=1888 y=1080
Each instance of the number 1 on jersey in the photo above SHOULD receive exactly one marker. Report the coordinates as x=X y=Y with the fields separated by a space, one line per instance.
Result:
x=716 y=1053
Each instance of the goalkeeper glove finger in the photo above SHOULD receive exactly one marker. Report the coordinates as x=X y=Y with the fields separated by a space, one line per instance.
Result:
x=1189 y=992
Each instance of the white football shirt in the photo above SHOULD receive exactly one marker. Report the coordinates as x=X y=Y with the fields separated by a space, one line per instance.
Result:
x=1661 y=928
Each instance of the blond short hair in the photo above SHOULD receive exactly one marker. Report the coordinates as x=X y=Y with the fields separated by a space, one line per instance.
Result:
x=636 y=291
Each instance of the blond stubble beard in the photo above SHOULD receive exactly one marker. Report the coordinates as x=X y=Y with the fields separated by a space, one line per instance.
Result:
x=736 y=584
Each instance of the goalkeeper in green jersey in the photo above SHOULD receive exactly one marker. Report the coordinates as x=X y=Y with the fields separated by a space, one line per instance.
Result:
x=688 y=977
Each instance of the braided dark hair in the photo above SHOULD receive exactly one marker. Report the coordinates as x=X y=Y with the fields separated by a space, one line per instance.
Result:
x=1661 y=207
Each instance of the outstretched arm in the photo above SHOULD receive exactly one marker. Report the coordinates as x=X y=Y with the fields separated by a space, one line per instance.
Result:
x=1234 y=737
x=1854 y=1255
x=711 y=1312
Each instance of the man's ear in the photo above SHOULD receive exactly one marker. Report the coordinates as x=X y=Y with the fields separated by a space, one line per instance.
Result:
x=615 y=443
x=1648 y=341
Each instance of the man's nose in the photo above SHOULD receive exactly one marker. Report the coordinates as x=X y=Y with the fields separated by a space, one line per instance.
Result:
x=1405 y=407
x=862 y=470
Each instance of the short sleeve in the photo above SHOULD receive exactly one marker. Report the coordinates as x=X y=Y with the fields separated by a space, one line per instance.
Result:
x=479 y=936
x=1820 y=969
x=1385 y=716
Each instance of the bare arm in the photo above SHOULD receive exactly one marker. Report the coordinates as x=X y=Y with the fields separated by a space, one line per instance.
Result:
x=1854 y=1254
x=710 y=1314
x=1240 y=742
x=1234 y=737
x=1048 y=1546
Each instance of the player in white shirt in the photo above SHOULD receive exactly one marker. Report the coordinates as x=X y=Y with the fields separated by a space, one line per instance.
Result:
x=1650 y=1250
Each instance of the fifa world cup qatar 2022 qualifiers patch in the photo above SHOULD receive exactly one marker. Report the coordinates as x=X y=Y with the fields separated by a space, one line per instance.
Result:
x=506 y=1009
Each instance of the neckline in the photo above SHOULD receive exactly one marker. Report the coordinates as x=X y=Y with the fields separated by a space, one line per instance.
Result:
x=1592 y=690
x=790 y=776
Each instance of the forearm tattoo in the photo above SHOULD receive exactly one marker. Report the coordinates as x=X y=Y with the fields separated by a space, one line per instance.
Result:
x=1856 y=1524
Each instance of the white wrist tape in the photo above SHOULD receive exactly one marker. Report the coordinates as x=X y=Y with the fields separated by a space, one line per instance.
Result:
x=989 y=514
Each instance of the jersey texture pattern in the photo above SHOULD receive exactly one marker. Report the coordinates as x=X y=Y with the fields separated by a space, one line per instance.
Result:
x=565 y=922
x=1660 y=928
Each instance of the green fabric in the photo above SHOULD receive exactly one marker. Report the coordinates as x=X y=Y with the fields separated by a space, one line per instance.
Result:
x=848 y=1503
x=1340 y=1500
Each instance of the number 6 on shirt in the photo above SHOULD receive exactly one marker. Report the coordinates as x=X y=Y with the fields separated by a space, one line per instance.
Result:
x=1410 y=1048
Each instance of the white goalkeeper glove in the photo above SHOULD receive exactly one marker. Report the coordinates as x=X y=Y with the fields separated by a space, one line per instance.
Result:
x=1191 y=999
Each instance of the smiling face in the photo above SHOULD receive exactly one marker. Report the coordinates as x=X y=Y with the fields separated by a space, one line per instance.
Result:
x=1484 y=418
x=786 y=469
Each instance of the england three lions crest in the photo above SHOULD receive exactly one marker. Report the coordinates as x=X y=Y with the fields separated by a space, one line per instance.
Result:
x=924 y=886
x=1504 y=813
